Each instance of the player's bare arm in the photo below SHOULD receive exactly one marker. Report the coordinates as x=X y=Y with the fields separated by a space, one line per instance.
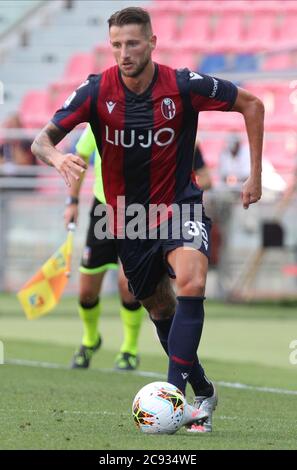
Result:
x=252 y=110
x=44 y=147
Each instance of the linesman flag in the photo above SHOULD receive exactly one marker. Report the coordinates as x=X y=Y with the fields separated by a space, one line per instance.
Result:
x=43 y=291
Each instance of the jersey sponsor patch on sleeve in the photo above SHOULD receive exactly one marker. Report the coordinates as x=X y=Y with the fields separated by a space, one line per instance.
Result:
x=69 y=100
x=215 y=88
x=73 y=95
x=195 y=76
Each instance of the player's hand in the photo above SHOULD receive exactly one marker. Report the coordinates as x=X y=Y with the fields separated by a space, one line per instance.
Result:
x=251 y=191
x=70 y=166
x=71 y=214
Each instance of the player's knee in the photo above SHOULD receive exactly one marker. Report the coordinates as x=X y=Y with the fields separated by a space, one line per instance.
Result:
x=192 y=287
x=162 y=311
x=88 y=296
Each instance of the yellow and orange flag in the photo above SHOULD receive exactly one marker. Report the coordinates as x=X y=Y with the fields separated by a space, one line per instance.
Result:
x=43 y=291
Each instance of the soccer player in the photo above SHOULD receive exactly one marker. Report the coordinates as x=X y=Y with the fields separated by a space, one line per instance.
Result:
x=144 y=118
x=98 y=257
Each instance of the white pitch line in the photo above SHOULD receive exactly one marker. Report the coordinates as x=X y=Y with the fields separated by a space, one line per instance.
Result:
x=258 y=389
x=92 y=413
x=62 y=412
x=233 y=385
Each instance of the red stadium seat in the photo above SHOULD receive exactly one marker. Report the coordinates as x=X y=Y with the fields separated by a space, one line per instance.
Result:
x=103 y=57
x=229 y=27
x=280 y=103
x=280 y=61
x=163 y=55
x=211 y=150
x=265 y=5
x=196 y=27
x=278 y=153
x=290 y=270
x=156 y=7
x=34 y=109
x=287 y=30
x=80 y=66
x=217 y=120
x=261 y=26
x=59 y=91
x=194 y=6
x=184 y=58
x=242 y=6
x=165 y=26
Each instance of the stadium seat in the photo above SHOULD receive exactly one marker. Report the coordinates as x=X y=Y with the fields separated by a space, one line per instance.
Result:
x=279 y=155
x=163 y=55
x=157 y=7
x=290 y=270
x=242 y=6
x=229 y=27
x=261 y=26
x=218 y=121
x=287 y=31
x=213 y=63
x=288 y=6
x=196 y=27
x=245 y=63
x=211 y=150
x=80 y=66
x=280 y=103
x=165 y=26
x=265 y=5
x=193 y=7
x=34 y=109
x=280 y=61
x=103 y=57
x=59 y=91
x=184 y=58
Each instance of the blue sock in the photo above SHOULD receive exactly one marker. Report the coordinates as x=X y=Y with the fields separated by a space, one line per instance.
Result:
x=197 y=378
x=183 y=341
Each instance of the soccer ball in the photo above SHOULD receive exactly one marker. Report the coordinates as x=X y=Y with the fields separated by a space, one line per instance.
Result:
x=159 y=408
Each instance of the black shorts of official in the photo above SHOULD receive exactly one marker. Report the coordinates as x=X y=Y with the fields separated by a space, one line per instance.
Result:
x=145 y=261
x=98 y=255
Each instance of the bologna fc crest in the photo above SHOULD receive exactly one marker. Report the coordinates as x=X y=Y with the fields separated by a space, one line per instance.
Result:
x=168 y=108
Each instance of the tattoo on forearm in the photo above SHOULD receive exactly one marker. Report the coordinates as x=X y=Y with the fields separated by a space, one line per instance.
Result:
x=55 y=134
x=46 y=141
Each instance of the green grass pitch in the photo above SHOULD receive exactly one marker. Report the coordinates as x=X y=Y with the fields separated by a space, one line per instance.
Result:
x=45 y=405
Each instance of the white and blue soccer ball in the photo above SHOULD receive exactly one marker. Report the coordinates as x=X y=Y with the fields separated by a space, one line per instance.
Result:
x=159 y=408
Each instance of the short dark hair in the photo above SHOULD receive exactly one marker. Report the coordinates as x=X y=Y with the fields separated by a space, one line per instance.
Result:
x=131 y=15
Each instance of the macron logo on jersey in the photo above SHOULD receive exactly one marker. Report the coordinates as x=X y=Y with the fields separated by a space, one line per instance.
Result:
x=195 y=76
x=110 y=106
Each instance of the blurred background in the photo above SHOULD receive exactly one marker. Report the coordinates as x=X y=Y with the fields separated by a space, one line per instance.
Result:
x=47 y=48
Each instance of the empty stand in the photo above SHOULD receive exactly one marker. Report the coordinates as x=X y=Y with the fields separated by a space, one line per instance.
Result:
x=230 y=26
x=80 y=66
x=196 y=27
x=34 y=110
x=211 y=150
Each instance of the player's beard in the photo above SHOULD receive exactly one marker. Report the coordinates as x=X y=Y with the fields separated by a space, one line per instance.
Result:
x=138 y=71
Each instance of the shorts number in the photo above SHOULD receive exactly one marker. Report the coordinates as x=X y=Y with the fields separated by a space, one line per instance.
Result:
x=195 y=228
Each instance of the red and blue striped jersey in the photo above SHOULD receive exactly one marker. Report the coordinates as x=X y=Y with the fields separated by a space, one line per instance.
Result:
x=146 y=141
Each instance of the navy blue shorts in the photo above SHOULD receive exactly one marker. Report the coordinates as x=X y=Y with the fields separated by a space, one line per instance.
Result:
x=98 y=255
x=144 y=261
